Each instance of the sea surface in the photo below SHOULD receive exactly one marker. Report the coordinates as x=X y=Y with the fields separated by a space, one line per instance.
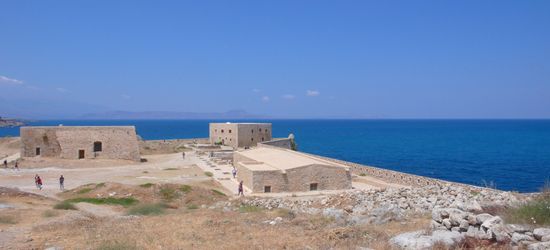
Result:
x=506 y=154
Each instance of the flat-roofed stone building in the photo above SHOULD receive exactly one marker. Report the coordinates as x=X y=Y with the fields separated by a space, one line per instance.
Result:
x=239 y=135
x=80 y=142
x=271 y=169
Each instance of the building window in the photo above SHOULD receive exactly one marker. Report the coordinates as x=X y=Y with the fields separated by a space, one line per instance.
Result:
x=222 y=131
x=267 y=189
x=252 y=131
x=251 y=139
x=266 y=130
x=230 y=131
x=37 y=151
x=260 y=130
x=312 y=186
x=98 y=147
x=215 y=130
x=262 y=139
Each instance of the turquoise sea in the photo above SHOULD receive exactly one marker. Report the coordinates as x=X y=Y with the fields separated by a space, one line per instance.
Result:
x=508 y=154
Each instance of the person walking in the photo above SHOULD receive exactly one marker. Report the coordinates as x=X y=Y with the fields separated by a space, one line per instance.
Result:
x=183 y=155
x=16 y=167
x=39 y=182
x=5 y=163
x=241 y=192
x=234 y=172
x=61 y=183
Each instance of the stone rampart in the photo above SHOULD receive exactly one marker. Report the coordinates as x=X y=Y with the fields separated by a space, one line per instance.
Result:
x=285 y=143
x=393 y=176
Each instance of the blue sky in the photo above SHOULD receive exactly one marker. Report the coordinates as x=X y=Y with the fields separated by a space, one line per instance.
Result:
x=293 y=59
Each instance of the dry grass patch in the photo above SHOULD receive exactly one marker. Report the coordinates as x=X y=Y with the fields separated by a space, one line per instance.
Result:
x=8 y=219
x=50 y=213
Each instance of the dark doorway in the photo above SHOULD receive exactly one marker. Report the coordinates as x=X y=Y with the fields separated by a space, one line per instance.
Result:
x=267 y=189
x=312 y=186
x=98 y=146
x=37 y=151
x=81 y=154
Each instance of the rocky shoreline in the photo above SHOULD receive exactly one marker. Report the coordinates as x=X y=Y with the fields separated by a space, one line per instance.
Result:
x=457 y=212
x=10 y=123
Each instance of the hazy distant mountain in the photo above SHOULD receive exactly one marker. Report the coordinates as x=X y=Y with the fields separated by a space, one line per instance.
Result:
x=233 y=114
x=46 y=109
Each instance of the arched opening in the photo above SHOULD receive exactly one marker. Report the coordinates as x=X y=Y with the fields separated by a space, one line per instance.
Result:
x=98 y=146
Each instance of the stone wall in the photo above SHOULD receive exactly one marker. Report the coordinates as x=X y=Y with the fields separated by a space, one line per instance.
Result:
x=285 y=143
x=392 y=176
x=326 y=177
x=67 y=142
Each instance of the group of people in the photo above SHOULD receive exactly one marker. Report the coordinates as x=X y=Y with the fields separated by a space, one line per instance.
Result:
x=16 y=166
x=240 y=190
x=38 y=182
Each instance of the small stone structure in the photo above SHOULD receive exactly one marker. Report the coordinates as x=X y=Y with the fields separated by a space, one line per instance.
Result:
x=80 y=142
x=239 y=135
x=271 y=169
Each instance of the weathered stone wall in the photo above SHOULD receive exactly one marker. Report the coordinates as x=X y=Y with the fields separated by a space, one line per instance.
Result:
x=285 y=143
x=250 y=134
x=326 y=177
x=226 y=133
x=275 y=179
x=392 y=176
x=66 y=142
x=239 y=135
x=244 y=174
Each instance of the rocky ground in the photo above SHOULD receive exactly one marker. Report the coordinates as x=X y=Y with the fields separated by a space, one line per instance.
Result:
x=459 y=215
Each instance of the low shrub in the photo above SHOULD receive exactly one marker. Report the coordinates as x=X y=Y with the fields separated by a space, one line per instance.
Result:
x=535 y=212
x=147 y=209
x=100 y=185
x=209 y=174
x=171 y=169
x=168 y=194
x=217 y=192
x=50 y=213
x=117 y=245
x=64 y=205
x=250 y=209
x=147 y=185
x=192 y=206
x=7 y=219
x=126 y=202
x=84 y=191
x=186 y=188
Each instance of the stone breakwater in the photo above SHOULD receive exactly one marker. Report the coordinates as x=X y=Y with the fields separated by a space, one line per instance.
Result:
x=390 y=175
x=381 y=206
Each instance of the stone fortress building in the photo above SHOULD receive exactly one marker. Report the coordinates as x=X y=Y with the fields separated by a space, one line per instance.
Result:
x=269 y=169
x=80 y=142
x=239 y=135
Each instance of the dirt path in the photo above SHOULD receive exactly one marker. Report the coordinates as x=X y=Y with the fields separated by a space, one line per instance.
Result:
x=168 y=168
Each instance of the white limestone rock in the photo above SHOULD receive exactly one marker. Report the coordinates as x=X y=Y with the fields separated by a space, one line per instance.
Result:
x=539 y=246
x=517 y=238
x=448 y=238
x=412 y=241
x=539 y=233
x=480 y=218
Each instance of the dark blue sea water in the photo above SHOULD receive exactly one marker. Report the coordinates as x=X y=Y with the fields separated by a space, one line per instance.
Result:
x=512 y=154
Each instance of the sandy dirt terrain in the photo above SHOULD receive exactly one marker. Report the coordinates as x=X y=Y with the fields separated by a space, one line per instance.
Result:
x=166 y=202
